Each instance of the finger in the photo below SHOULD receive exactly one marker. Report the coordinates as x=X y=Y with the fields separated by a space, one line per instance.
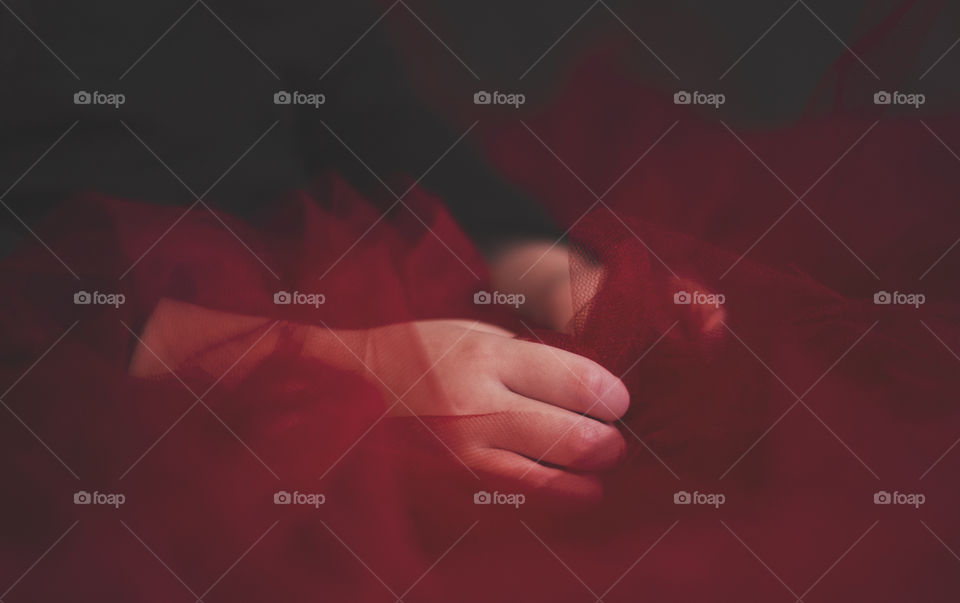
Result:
x=564 y=379
x=555 y=436
x=473 y=325
x=484 y=327
x=518 y=472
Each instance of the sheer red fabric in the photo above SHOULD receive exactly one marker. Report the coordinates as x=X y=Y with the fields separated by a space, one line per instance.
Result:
x=799 y=407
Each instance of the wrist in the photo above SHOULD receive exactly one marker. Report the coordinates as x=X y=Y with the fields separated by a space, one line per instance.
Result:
x=344 y=349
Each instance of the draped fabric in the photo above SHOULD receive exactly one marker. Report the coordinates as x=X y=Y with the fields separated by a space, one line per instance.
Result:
x=791 y=392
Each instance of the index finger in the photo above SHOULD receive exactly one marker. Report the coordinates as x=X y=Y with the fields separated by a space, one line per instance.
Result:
x=564 y=379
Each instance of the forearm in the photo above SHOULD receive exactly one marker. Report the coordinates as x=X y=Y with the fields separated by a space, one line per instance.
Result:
x=179 y=334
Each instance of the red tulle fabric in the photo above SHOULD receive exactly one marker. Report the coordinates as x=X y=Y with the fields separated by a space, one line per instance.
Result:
x=804 y=403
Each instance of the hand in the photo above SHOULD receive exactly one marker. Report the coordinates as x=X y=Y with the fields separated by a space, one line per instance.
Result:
x=523 y=404
x=530 y=414
x=541 y=272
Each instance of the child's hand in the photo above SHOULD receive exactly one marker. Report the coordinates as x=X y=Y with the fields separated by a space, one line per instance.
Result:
x=527 y=402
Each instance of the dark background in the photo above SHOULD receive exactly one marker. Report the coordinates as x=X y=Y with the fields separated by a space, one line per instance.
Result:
x=199 y=80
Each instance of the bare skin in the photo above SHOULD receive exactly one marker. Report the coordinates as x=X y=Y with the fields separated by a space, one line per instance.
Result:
x=533 y=415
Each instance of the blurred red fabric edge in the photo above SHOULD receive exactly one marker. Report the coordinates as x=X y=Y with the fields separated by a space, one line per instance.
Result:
x=715 y=413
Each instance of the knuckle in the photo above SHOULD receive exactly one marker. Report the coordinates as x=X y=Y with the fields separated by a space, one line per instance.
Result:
x=475 y=349
x=590 y=437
